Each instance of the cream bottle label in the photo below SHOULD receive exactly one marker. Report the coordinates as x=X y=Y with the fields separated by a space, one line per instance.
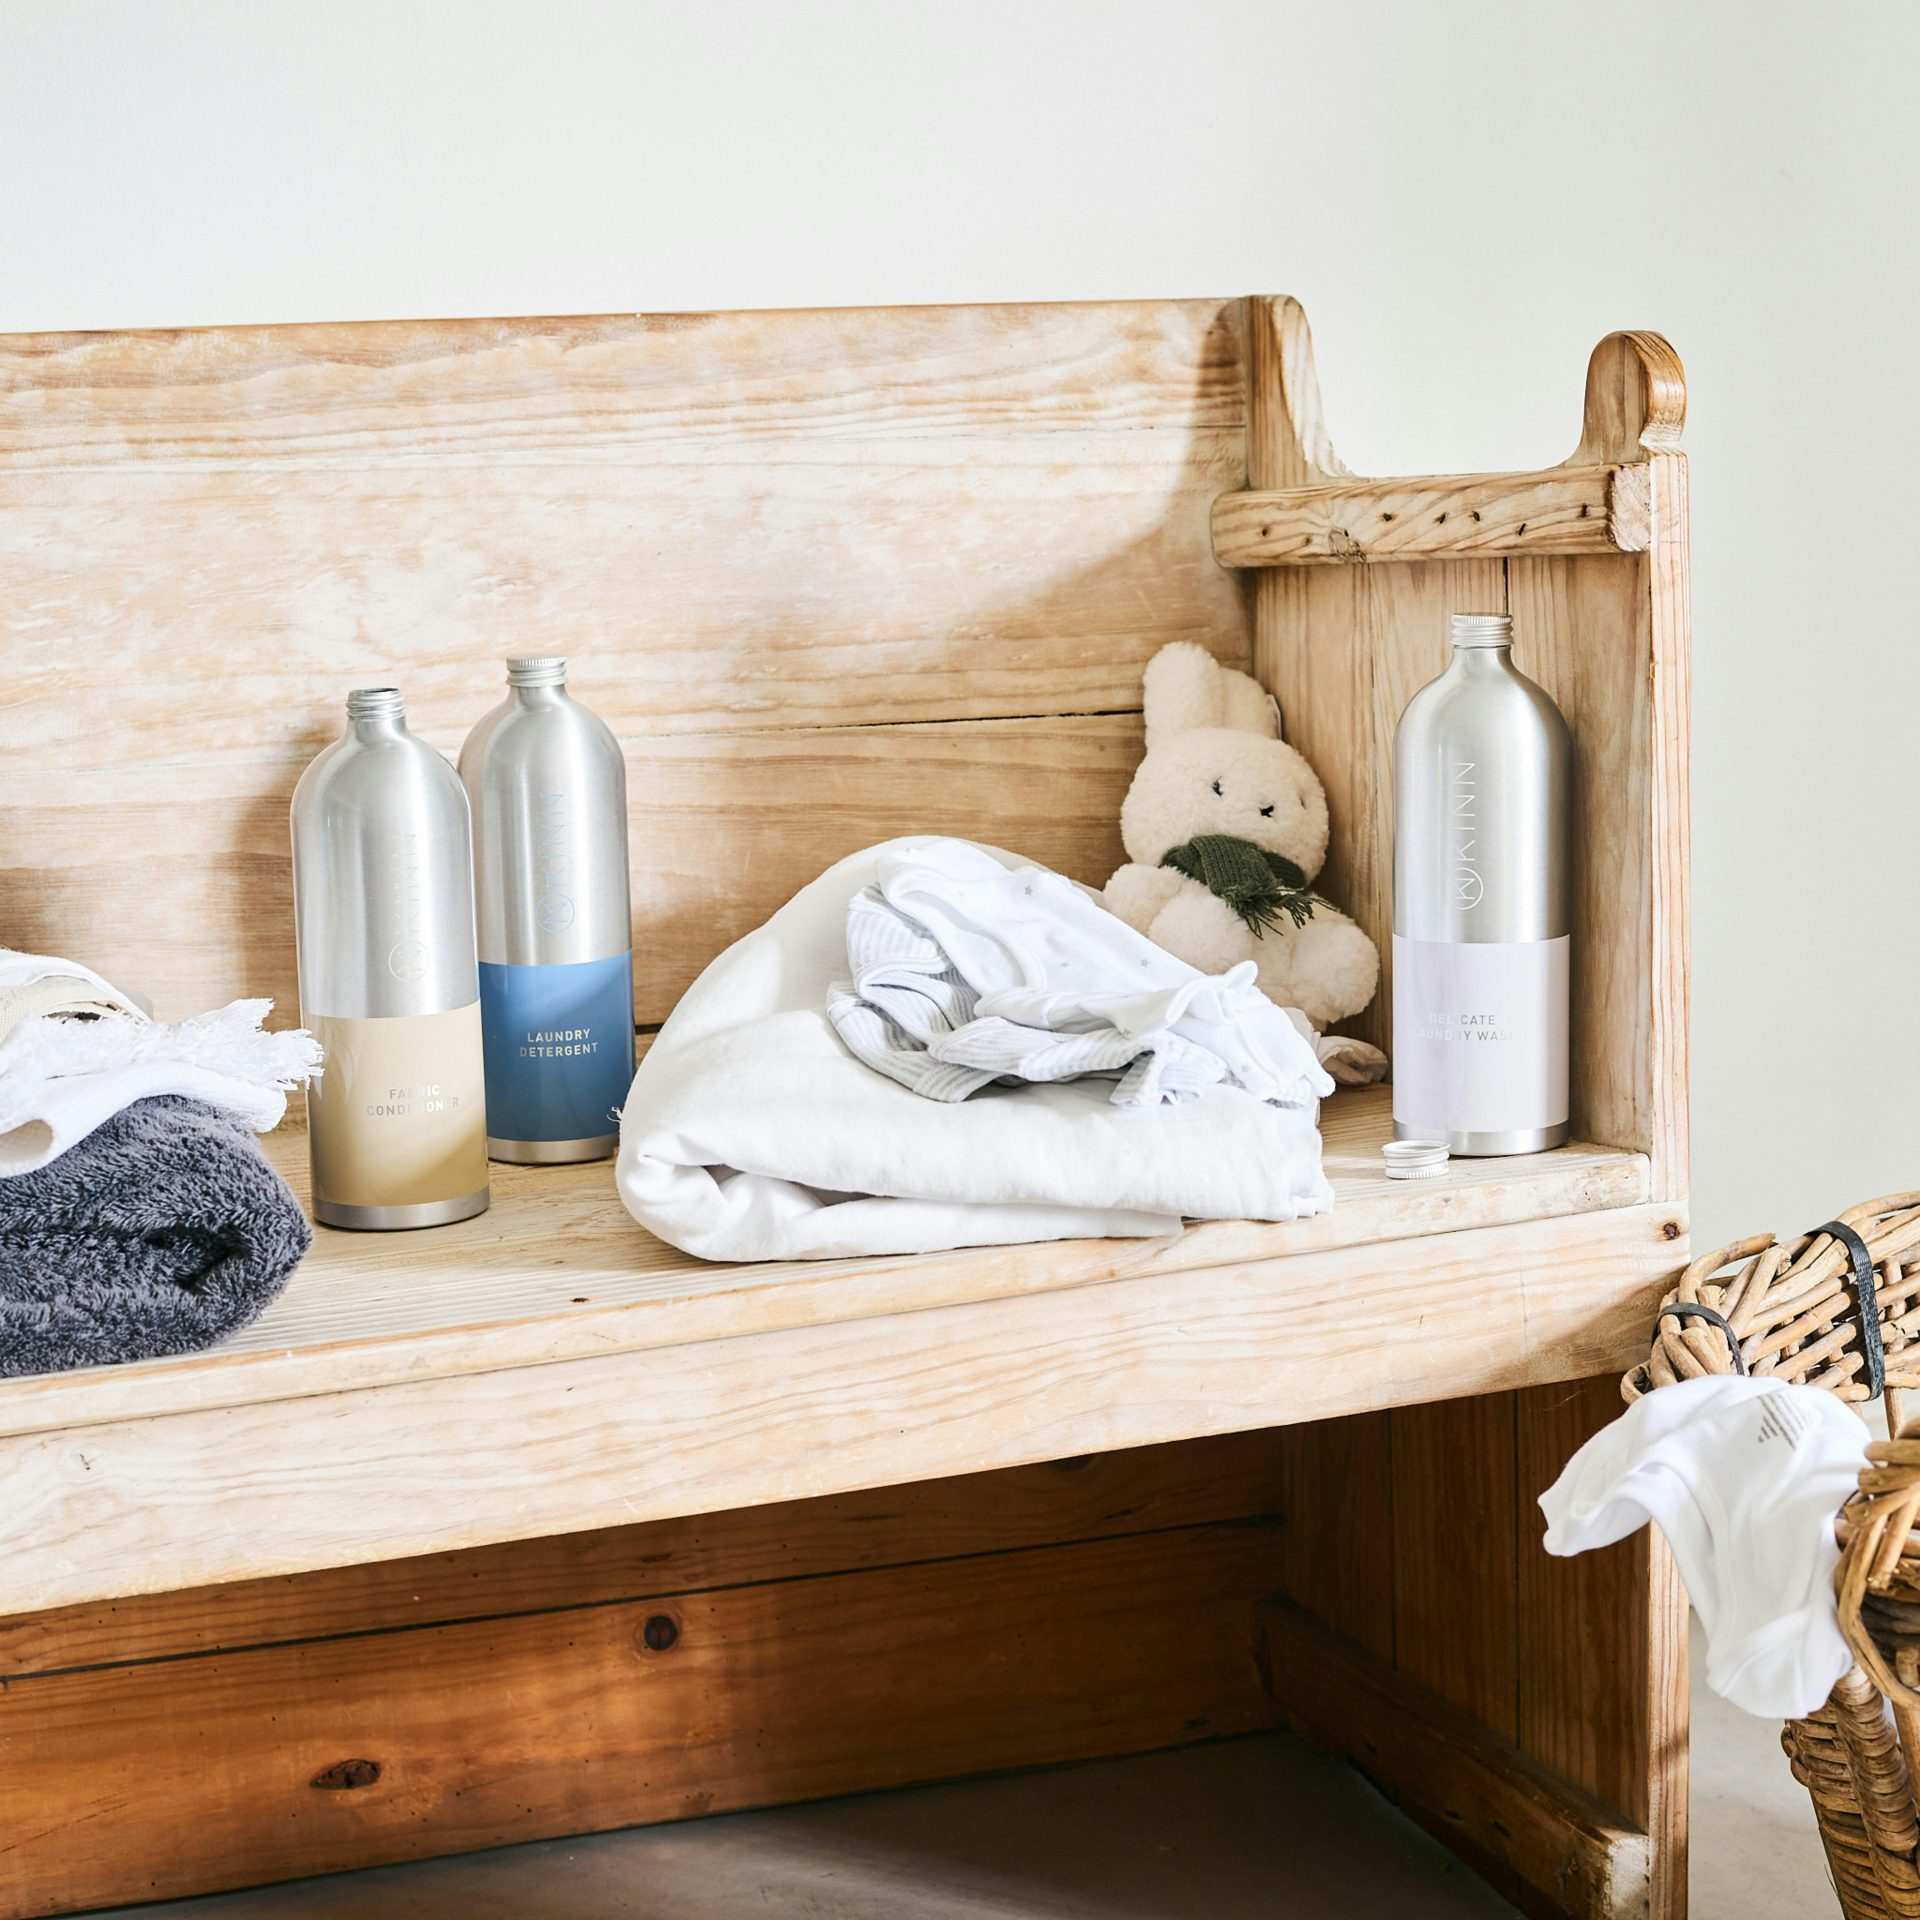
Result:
x=1479 y=1035
x=398 y=1115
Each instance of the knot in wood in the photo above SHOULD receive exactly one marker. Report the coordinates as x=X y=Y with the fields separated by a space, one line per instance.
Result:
x=346 y=1774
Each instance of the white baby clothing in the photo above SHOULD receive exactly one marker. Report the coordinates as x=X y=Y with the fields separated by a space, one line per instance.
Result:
x=967 y=971
x=61 y=1076
x=752 y=1132
x=1744 y=1477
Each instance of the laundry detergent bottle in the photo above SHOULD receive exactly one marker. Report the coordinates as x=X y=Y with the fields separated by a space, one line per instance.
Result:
x=383 y=922
x=547 y=785
x=1482 y=903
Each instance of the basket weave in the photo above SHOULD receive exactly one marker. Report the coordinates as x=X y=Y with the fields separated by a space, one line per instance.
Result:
x=1792 y=1313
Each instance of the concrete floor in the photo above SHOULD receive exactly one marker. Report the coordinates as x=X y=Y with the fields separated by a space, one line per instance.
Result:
x=1248 y=1830
x=1755 y=1851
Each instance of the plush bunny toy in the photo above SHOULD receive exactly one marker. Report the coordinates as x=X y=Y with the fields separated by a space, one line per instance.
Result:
x=1227 y=827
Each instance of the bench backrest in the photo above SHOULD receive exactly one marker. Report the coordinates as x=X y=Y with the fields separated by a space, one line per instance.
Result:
x=830 y=576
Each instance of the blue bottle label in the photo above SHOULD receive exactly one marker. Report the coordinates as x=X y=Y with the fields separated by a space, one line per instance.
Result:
x=559 y=1048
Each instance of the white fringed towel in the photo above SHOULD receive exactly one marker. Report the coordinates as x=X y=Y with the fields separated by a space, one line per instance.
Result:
x=753 y=1133
x=75 y=1051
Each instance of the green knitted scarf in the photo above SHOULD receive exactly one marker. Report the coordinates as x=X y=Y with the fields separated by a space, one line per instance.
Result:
x=1259 y=886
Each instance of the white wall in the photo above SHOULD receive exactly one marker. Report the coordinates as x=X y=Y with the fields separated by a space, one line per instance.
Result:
x=1466 y=198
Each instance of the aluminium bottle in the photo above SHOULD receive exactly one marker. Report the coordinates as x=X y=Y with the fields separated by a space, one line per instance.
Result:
x=1483 y=802
x=383 y=919
x=547 y=784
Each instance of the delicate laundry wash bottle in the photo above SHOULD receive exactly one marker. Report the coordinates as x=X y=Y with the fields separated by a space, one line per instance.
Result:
x=1483 y=801
x=383 y=918
x=548 y=788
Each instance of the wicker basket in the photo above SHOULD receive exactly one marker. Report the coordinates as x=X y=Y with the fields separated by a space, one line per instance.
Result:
x=1793 y=1310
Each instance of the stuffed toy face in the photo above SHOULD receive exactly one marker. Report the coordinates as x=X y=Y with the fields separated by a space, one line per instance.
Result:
x=1216 y=765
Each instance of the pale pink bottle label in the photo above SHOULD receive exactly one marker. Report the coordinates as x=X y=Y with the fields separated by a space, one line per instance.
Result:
x=1479 y=1035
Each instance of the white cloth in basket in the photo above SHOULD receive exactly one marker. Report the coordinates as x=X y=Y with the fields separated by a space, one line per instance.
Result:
x=1744 y=1477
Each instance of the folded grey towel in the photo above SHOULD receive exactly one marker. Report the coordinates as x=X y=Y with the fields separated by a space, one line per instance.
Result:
x=161 y=1232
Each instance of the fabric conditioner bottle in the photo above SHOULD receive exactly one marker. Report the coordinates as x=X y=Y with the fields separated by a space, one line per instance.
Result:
x=548 y=787
x=1483 y=800
x=383 y=920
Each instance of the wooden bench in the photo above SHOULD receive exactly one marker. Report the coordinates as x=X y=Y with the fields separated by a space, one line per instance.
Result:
x=533 y=1525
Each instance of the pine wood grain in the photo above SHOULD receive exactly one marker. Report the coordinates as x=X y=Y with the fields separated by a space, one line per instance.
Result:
x=831 y=576
x=1670 y=962
x=556 y=1270
x=723 y=829
x=147 y=1504
x=1581 y=630
x=1603 y=1648
x=738 y=523
x=1091 y=1496
x=1452 y=1574
x=1636 y=399
x=1584 y=1663
x=655 y=1709
x=608 y=389
x=1454 y=1555
x=1607 y=636
x=1558 y=510
x=1344 y=650
x=1337 y=1566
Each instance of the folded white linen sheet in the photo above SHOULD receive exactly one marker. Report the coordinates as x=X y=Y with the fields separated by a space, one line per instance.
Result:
x=753 y=1133
x=62 y=1076
x=1744 y=1477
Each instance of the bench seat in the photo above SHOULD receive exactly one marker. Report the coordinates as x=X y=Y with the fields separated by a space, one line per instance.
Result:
x=550 y=1366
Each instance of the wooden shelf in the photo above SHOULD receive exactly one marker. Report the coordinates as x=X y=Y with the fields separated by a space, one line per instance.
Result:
x=550 y=1366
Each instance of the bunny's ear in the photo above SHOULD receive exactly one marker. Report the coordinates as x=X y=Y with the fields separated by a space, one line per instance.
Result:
x=1182 y=690
x=1187 y=687
x=1247 y=706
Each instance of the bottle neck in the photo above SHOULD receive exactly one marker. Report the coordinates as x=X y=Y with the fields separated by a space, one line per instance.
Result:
x=1480 y=658
x=376 y=713
x=551 y=695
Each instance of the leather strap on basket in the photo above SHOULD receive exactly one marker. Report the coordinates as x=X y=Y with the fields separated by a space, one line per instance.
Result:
x=1866 y=1308
x=1694 y=1310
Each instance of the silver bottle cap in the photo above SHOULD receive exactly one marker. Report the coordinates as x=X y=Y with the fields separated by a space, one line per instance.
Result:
x=1481 y=629
x=537 y=670
x=1414 y=1159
